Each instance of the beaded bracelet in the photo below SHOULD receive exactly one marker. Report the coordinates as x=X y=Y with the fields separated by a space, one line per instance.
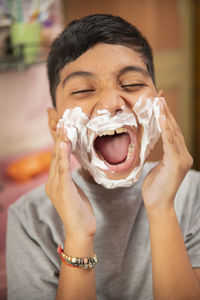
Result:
x=77 y=262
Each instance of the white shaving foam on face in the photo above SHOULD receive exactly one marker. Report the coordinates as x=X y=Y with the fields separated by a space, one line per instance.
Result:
x=82 y=133
x=74 y=122
x=102 y=111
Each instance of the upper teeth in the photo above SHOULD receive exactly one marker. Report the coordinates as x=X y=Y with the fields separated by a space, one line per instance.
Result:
x=111 y=132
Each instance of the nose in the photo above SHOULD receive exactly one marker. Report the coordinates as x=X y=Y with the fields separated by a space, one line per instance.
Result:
x=111 y=101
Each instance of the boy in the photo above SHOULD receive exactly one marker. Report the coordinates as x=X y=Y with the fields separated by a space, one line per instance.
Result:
x=102 y=63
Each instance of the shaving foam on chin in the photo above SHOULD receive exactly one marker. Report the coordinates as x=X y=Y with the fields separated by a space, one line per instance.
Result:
x=82 y=133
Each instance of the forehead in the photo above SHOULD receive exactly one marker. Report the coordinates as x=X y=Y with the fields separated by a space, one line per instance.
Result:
x=104 y=58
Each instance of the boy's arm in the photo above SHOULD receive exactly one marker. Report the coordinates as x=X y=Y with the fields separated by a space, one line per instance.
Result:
x=31 y=272
x=77 y=283
x=79 y=221
x=173 y=276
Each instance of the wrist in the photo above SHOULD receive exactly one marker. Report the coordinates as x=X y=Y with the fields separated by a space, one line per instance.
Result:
x=165 y=210
x=78 y=232
x=79 y=246
x=162 y=221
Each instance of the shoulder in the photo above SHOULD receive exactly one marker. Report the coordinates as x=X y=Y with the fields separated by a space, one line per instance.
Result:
x=35 y=213
x=192 y=179
x=33 y=232
x=32 y=202
x=190 y=186
x=36 y=205
x=187 y=201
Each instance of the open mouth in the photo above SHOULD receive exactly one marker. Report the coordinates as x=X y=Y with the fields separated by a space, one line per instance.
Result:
x=117 y=148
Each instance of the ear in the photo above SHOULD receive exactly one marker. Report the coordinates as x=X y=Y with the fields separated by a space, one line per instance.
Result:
x=160 y=93
x=53 y=120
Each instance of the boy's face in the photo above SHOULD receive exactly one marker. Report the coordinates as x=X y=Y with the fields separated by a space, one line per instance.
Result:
x=106 y=77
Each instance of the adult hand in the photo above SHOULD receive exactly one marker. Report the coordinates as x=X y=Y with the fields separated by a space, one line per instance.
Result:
x=69 y=200
x=161 y=184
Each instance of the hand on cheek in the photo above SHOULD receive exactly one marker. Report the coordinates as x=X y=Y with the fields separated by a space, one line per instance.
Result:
x=161 y=184
x=71 y=204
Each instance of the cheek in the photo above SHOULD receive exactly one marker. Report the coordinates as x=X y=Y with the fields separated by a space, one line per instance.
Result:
x=61 y=105
x=150 y=93
x=86 y=106
x=146 y=93
x=64 y=101
x=64 y=105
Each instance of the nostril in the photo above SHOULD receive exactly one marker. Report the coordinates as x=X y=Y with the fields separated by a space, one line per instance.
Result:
x=118 y=111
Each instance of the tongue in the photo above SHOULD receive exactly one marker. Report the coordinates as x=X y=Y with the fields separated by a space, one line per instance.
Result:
x=114 y=149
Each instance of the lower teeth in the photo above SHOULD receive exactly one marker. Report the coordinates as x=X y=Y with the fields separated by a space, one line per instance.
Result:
x=130 y=150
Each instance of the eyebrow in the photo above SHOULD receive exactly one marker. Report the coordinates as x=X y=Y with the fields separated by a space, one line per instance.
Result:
x=77 y=74
x=133 y=69
x=119 y=73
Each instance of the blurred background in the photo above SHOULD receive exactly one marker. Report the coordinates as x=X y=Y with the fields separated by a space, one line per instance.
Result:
x=27 y=29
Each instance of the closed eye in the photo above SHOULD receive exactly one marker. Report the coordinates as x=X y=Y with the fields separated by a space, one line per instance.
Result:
x=82 y=91
x=132 y=85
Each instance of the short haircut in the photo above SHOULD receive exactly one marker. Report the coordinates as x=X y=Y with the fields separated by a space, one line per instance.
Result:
x=80 y=35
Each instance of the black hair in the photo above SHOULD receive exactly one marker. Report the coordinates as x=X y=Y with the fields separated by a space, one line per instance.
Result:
x=80 y=35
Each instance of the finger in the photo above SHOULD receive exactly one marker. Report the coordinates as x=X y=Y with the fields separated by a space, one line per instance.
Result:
x=63 y=147
x=175 y=150
x=165 y=109
x=175 y=129
x=173 y=122
x=63 y=164
x=169 y=145
x=53 y=171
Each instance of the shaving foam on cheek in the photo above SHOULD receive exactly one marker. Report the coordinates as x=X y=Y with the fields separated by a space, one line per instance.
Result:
x=148 y=112
x=74 y=121
x=82 y=133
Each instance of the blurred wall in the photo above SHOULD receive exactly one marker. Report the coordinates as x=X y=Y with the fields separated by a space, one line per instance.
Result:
x=168 y=25
x=24 y=98
x=197 y=84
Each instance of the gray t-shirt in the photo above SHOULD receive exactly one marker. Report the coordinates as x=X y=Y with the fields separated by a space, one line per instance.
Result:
x=122 y=243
